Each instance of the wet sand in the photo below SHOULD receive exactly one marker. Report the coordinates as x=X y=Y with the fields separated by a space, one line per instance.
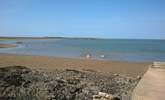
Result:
x=52 y=63
x=7 y=45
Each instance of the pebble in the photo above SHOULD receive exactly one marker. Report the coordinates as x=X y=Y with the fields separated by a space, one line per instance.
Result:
x=64 y=84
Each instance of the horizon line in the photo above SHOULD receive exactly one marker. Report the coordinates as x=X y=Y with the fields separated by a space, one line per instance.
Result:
x=74 y=37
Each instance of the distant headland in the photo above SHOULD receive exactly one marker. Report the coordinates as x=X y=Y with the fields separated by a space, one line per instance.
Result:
x=46 y=37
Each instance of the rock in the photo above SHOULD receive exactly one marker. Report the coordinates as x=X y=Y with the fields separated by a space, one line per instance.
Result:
x=138 y=77
x=21 y=82
x=116 y=74
x=104 y=96
x=12 y=75
x=72 y=70
x=73 y=81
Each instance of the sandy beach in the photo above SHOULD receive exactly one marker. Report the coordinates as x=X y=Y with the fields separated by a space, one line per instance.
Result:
x=75 y=78
x=53 y=63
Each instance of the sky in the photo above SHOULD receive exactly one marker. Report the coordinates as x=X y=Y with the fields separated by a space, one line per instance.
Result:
x=83 y=18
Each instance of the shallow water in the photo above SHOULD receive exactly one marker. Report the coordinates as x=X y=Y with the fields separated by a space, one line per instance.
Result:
x=106 y=49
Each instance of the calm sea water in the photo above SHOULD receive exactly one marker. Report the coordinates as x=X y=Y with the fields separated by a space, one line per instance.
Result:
x=112 y=49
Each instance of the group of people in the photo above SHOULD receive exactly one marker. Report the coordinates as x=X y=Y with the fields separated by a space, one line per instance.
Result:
x=88 y=56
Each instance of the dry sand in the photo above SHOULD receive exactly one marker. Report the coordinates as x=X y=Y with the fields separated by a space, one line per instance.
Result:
x=51 y=63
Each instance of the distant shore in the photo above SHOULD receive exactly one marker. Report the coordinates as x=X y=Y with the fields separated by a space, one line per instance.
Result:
x=7 y=45
x=88 y=38
x=7 y=38
x=53 y=63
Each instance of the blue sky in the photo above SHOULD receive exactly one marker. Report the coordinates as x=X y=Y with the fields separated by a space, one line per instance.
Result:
x=83 y=18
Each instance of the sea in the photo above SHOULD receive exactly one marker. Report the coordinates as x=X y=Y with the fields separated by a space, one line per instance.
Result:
x=138 y=50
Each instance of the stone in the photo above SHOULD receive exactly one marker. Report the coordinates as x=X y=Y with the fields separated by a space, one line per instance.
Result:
x=103 y=96
x=21 y=82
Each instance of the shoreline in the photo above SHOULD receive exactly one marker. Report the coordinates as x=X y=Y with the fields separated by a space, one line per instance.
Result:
x=49 y=63
x=4 y=45
x=89 y=38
